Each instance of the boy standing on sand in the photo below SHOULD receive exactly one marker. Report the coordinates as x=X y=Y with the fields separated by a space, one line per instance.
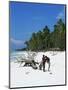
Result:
x=42 y=64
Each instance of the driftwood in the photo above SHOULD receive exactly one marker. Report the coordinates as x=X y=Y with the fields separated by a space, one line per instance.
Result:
x=27 y=62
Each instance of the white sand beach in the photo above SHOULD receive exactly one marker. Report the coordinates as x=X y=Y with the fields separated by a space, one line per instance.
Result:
x=27 y=76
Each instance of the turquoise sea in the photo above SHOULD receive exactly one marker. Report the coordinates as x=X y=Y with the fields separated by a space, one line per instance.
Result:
x=15 y=54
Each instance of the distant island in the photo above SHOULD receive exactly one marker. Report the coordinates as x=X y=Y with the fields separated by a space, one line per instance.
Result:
x=21 y=49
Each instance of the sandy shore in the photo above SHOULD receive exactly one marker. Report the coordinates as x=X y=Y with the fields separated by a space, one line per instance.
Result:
x=27 y=76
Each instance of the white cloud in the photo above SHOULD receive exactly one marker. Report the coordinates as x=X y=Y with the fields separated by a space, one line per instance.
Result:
x=60 y=15
x=17 y=42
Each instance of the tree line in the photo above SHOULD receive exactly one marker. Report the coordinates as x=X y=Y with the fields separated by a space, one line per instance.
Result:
x=46 y=39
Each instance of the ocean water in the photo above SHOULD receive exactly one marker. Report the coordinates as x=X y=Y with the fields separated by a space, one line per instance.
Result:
x=14 y=55
x=17 y=54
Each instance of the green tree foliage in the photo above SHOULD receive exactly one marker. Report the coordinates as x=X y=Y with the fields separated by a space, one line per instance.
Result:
x=45 y=39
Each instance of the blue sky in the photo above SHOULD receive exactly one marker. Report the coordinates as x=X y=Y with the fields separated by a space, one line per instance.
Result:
x=26 y=18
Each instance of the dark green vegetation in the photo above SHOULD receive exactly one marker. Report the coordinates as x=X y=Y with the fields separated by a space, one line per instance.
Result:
x=47 y=40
